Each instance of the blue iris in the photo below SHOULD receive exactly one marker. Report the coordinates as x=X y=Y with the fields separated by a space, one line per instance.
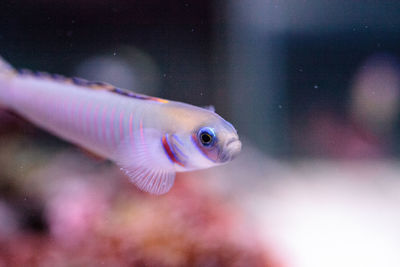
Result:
x=206 y=136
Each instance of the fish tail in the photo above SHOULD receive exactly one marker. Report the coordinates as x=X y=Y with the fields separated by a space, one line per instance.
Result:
x=5 y=67
x=6 y=72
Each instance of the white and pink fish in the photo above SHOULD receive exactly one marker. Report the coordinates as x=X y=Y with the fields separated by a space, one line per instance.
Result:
x=149 y=138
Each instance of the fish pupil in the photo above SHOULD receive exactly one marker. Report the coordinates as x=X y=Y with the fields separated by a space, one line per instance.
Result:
x=206 y=138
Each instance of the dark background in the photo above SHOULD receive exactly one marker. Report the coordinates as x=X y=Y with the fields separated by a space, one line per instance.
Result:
x=54 y=35
x=267 y=66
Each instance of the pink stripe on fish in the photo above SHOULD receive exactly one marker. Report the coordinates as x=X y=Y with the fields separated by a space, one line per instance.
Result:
x=112 y=128
x=86 y=121
x=121 y=127
x=75 y=106
x=141 y=131
x=142 y=135
x=70 y=114
x=104 y=126
x=131 y=126
x=131 y=130
x=81 y=118
x=66 y=112
x=96 y=132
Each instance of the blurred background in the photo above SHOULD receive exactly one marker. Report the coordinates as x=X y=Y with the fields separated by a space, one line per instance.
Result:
x=313 y=88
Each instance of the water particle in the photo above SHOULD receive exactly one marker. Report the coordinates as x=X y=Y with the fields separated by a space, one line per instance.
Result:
x=300 y=70
x=280 y=106
x=316 y=86
x=115 y=53
x=164 y=75
x=192 y=30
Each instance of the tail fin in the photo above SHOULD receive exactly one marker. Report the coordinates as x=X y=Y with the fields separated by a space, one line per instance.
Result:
x=6 y=71
x=5 y=67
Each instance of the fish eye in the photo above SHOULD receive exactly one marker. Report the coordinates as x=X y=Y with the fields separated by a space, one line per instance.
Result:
x=206 y=136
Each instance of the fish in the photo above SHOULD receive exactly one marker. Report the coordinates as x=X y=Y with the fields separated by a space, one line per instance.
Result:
x=149 y=138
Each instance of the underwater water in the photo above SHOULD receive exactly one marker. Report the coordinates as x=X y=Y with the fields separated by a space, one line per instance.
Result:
x=313 y=89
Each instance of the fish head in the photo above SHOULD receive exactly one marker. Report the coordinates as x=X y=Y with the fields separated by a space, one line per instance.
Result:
x=205 y=140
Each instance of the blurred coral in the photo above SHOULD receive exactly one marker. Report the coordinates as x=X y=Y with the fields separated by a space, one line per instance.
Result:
x=96 y=217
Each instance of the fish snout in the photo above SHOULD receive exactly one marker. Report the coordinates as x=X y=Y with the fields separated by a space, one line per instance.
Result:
x=231 y=150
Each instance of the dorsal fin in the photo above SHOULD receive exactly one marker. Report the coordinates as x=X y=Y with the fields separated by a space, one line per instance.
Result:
x=138 y=96
x=210 y=108
x=89 y=84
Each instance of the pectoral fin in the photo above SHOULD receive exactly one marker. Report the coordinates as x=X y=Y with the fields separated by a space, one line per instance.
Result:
x=144 y=161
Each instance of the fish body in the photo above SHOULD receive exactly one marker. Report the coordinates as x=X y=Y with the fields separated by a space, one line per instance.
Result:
x=149 y=138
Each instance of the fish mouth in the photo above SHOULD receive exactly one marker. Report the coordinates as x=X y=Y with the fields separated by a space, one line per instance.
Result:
x=231 y=150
